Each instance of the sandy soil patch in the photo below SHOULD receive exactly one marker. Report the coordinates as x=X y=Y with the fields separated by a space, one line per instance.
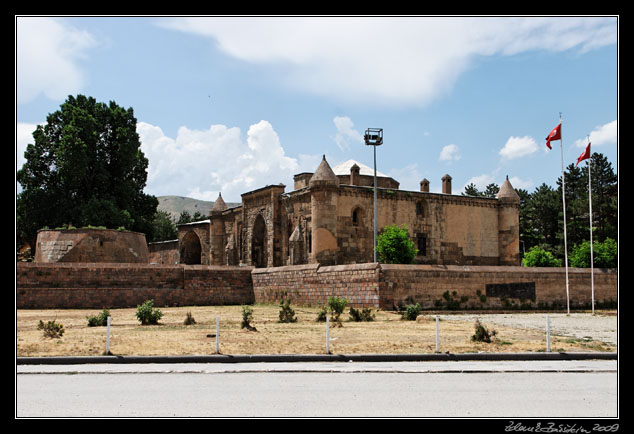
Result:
x=387 y=334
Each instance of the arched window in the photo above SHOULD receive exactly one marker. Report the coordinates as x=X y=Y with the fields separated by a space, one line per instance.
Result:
x=357 y=216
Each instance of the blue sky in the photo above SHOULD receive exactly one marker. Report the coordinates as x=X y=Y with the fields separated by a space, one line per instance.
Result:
x=230 y=104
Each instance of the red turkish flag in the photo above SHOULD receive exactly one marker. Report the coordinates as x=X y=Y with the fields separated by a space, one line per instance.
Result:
x=555 y=134
x=585 y=155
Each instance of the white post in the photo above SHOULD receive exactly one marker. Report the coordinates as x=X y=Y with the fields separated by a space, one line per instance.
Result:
x=217 y=335
x=548 y=333
x=563 y=197
x=108 y=336
x=327 y=335
x=375 y=211
x=591 y=247
x=437 y=337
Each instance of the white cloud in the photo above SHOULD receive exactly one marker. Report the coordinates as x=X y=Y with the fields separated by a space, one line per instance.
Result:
x=47 y=55
x=516 y=147
x=409 y=177
x=602 y=135
x=389 y=60
x=346 y=132
x=480 y=181
x=201 y=163
x=450 y=153
x=23 y=136
x=517 y=183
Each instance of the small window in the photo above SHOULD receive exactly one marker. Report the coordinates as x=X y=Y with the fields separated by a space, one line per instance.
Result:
x=420 y=208
x=357 y=216
x=421 y=244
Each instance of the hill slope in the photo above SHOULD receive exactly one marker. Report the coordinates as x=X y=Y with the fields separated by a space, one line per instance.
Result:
x=174 y=205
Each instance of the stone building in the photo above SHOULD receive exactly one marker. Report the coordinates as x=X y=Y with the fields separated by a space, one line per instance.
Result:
x=328 y=219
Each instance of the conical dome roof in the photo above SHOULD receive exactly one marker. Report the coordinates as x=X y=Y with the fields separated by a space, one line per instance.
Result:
x=507 y=192
x=219 y=205
x=324 y=175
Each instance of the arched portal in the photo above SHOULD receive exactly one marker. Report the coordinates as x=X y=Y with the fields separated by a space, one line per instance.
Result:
x=190 y=249
x=258 y=243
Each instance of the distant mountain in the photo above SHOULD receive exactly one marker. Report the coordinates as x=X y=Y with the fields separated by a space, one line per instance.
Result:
x=174 y=205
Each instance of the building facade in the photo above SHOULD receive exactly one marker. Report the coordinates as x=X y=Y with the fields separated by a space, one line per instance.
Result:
x=328 y=219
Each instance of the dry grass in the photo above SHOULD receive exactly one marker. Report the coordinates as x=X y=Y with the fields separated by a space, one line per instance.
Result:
x=387 y=334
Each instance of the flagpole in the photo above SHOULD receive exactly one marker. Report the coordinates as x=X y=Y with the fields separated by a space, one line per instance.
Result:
x=563 y=196
x=591 y=247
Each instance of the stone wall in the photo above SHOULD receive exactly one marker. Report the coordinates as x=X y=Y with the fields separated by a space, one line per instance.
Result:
x=312 y=284
x=496 y=287
x=363 y=285
x=164 y=252
x=99 y=286
x=90 y=245
x=388 y=286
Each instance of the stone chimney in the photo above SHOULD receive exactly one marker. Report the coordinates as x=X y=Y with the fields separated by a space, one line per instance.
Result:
x=424 y=185
x=354 y=174
x=446 y=184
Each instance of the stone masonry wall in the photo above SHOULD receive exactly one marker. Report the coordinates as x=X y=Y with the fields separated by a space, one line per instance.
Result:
x=363 y=285
x=81 y=286
x=312 y=284
x=494 y=287
x=164 y=252
x=388 y=286
x=90 y=245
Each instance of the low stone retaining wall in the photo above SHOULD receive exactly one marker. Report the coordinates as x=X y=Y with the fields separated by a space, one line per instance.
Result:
x=495 y=287
x=363 y=285
x=312 y=284
x=99 y=285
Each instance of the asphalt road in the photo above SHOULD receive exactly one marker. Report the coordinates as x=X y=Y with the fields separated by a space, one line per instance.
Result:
x=476 y=389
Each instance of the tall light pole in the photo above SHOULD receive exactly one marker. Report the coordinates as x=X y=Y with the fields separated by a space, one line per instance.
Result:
x=374 y=137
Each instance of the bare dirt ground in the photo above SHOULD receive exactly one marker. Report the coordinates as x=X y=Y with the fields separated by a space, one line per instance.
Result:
x=387 y=334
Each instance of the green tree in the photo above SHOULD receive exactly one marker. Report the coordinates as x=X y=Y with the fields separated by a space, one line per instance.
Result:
x=163 y=228
x=394 y=246
x=491 y=190
x=605 y=254
x=85 y=167
x=604 y=198
x=542 y=217
x=538 y=257
x=186 y=217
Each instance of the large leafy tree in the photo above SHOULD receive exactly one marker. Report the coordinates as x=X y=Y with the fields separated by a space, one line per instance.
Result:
x=394 y=246
x=85 y=167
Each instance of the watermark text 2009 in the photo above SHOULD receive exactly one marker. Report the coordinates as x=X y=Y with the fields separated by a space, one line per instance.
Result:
x=552 y=427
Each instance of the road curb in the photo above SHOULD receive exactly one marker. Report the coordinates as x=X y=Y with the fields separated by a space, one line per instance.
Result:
x=278 y=358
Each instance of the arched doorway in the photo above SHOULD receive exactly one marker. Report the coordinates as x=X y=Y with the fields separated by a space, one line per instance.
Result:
x=258 y=243
x=190 y=249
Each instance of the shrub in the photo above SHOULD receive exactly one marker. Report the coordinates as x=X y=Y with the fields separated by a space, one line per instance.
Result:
x=538 y=257
x=336 y=307
x=451 y=303
x=146 y=313
x=605 y=254
x=393 y=246
x=51 y=329
x=189 y=319
x=411 y=312
x=482 y=334
x=321 y=315
x=287 y=314
x=364 y=314
x=247 y=317
x=100 y=320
